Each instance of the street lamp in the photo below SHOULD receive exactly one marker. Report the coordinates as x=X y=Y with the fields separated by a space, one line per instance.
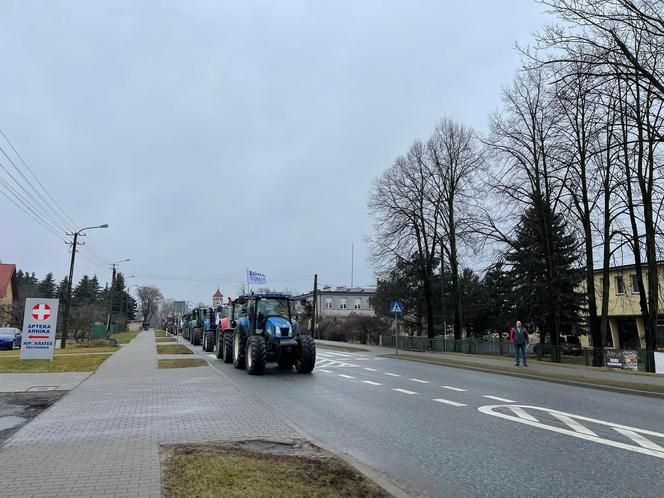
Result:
x=65 y=318
x=110 y=304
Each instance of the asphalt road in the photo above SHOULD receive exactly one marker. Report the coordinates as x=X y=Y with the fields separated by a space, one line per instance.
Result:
x=441 y=431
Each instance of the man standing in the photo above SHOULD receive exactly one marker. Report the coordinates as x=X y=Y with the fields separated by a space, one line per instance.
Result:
x=519 y=337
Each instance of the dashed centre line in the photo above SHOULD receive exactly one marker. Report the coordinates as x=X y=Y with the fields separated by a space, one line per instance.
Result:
x=421 y=381
x=451 y=388
x=448 y=402
x=326 y=371
x=404 y=391
x=346 y=376
x=498 y=399
x=371 y=369
x=372 y=383
x=392 y=375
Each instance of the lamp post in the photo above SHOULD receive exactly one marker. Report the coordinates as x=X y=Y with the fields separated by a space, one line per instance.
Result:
x=110 y=304
x=65 y=318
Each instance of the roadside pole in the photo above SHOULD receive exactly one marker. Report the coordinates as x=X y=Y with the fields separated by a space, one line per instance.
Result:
x=396 y=308
x=315 y=301
x=396 y=334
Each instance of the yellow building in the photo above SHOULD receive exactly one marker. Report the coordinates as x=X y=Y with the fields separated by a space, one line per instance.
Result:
x=625 y=322
x=8 y=293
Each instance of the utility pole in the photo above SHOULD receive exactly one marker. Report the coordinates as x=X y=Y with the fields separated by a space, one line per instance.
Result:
x=442 y=288
x=313 y=314
x=110 y=305
x=352 y=262
x=65 y=319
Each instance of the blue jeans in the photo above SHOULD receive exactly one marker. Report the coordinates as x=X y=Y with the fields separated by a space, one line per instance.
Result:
x=521 y=347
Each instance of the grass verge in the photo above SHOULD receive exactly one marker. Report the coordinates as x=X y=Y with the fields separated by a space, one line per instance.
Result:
x=124 y=337
x=160 y=333
x=233 y=471
x=173 y=349
x=60 y=363
x=58 y=352
x=536 y=374
x=165 y=339
x=181 y=363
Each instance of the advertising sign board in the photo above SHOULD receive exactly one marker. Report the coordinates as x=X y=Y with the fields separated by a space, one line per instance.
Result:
x=39 y=324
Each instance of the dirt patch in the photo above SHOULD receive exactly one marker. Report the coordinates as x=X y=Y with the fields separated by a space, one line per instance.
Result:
x=260 y=469
x=17 y=409
x=181 y=363
x=173 y=349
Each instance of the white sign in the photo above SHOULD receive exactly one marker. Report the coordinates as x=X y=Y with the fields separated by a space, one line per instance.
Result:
x=659 y=363
x=39 y=324
x=253 y=277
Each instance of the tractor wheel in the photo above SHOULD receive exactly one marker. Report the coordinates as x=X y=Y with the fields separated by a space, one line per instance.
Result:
x=227 y=347
x=208 y=345
x=196 y=337
x=255 y=355
x=238 y=350
x=306 y=359
x=220 y=344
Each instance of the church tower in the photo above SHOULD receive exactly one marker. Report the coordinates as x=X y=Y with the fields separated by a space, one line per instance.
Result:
x=217 y=299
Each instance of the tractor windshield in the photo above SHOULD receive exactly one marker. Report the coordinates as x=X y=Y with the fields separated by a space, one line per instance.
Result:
x=272 y=307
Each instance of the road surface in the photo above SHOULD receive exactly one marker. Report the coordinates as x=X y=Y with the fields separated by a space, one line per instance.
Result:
x=442 y=431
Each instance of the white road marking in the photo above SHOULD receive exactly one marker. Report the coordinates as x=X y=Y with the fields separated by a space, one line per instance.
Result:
x=321 y=370
x=498 y=399
x=212 y=355
x=643 y=445
x=523 y=414
x=454 y=388
x=448 y=402
x=345 y=355
x=371 y=369
x=574 y=425
x=346 y=376
x=393 y=375
x=405 y=391
x=372 y=383
x=421 y=381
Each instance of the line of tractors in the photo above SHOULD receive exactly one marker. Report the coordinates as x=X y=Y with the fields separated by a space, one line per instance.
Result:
x=249 y=332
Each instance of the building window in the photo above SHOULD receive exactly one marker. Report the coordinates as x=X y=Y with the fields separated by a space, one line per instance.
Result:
x=358 y=304
x=328 y=303
x=620 y=285
x=343 y=303
x=635 y=284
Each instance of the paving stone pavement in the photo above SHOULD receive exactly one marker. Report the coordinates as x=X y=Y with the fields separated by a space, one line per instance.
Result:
x=53 y=381
x=102 y=439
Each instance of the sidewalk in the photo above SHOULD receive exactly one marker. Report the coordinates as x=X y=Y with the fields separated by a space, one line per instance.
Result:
x=51 y=381
x=102 y=439
x=545 y=369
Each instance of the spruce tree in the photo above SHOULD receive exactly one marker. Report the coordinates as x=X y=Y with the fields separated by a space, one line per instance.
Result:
x=47 y=286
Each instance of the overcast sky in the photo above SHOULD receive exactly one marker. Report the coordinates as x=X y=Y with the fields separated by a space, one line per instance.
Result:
x=218 y=136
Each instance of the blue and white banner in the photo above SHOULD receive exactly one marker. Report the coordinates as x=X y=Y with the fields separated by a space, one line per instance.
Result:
x=254 y=277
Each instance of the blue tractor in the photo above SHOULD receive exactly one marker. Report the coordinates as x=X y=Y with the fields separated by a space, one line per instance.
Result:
x=265 y=332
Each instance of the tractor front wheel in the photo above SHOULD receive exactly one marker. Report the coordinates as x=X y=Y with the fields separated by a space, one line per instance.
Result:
x=255 y=355
x=196 y=337
x=227 y=347
x=238 y=351
x=307 y=355
x=208 y=341
x=220 y=344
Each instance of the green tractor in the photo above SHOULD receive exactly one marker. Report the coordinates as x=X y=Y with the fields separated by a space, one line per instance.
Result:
x=195 y=326
x=266 y=333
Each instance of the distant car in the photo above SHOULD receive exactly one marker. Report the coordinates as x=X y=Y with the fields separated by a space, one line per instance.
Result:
x=569 y=344
x=146 y=325
x=10 y=338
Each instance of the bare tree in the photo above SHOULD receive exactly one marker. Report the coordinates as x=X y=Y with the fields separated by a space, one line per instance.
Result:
x=455 y=156
x=406 y=221
x=150 y=298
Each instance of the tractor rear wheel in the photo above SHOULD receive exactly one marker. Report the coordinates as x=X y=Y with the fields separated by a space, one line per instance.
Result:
x=255 y=355
x=196 y=337
x=227 y=347
x=220 y=344
x=307 y=355
x=208 y=341
x=238 y=350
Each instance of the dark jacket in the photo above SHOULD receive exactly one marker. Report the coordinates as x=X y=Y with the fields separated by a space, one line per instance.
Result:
x=519 y=336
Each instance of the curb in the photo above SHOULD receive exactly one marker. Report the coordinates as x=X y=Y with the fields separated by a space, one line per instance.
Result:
x=622 y=390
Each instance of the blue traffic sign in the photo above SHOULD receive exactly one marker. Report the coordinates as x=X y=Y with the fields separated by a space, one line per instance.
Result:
x=396 y=308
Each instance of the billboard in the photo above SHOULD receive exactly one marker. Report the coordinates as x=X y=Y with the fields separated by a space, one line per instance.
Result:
x=39 y=324
x=179 y=306
x=623 y=359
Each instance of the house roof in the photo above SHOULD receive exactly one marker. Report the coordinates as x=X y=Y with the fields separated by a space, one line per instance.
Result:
x=7 y=276
x=218 y=293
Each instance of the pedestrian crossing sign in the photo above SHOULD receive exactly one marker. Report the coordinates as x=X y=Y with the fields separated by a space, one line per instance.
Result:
x=396 y=308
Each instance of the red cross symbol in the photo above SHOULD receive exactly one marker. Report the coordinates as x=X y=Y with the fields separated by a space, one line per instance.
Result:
x=41 y=312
